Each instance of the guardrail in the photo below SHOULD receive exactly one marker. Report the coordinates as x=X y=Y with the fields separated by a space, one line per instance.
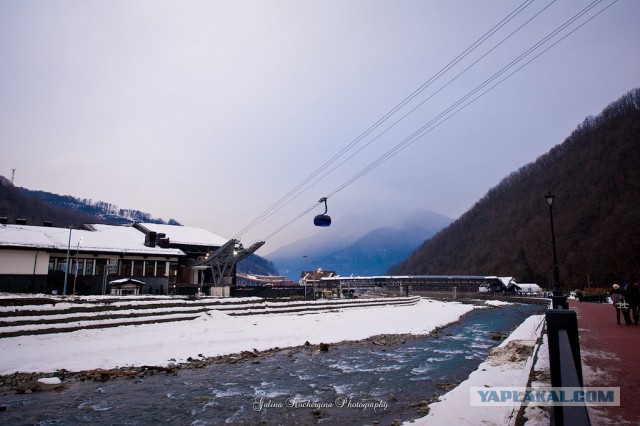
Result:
x=565 y=364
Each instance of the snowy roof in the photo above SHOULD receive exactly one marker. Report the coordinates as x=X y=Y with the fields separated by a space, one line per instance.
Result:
x=105 y=238
x=186 y=235
x=126 y=281
x=400 y=277
x=507 y=281
x=530 y=288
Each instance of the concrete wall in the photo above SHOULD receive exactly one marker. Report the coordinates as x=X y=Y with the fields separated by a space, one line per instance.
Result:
x=221 y=291
x=22 y=262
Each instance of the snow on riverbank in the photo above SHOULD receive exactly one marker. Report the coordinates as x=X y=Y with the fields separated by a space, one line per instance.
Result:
x=216 y=333
x=497 y=303
x=507 y=365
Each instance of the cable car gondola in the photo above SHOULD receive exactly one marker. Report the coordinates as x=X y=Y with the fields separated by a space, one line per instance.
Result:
x=322 y=219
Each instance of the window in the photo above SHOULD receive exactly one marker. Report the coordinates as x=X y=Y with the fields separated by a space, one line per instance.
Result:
x=62 y=264
x=101 y=264
x=78 y=267
x=149 y=268
x=138 y=266
x=161 y=270
x=173 y=269
x=52 y=263
x=88 y=267
x=125 y=268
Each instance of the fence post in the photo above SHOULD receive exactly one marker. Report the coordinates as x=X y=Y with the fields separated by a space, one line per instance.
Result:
x=565 y=363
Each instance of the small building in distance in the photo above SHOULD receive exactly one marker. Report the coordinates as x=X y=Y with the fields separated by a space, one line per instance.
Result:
x=125 y=287
x=526 y=289
x=313 y=280
x=428 y=284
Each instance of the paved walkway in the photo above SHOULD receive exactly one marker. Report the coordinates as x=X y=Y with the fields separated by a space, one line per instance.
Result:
x=610 y=357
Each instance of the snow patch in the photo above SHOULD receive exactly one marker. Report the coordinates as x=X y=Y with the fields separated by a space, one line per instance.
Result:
x=507 y=365
x=216 y=334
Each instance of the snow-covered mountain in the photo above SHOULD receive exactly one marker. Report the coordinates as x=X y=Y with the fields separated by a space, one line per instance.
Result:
x=359 y=245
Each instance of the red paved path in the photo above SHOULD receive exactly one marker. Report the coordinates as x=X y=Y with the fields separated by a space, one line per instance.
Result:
x=612 y=351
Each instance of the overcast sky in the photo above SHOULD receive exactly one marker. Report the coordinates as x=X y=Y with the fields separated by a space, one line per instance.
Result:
x=209 y=112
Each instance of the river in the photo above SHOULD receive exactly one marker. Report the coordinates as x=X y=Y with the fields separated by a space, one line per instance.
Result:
x=352 y=383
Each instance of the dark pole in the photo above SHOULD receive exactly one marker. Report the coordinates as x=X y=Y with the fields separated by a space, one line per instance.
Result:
x=556 y=275
x=557 y=292
x=66 y=271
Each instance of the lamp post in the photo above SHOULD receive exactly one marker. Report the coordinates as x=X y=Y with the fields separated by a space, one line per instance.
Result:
x=66 y=270
x=75 y=277
x=304 y=275
x=558 y=300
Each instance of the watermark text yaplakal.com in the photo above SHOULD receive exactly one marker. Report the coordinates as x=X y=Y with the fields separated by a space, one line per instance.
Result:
x=340 y=402
x=565 y=396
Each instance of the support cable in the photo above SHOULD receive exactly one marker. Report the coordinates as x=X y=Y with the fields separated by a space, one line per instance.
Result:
x=456 y=107
x=428 y=127
x=301 y=186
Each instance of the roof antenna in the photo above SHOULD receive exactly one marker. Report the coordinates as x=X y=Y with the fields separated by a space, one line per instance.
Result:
x=322 y=219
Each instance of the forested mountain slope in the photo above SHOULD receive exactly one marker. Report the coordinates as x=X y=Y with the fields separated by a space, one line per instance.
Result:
x=15 y=204
x=595 y=177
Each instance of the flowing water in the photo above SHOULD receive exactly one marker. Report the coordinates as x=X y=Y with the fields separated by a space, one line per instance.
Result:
x=357 y=383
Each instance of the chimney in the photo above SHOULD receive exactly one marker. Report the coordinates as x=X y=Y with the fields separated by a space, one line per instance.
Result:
x=150 y=239
x=47 y=223
x=21 y=221
x=163 y=242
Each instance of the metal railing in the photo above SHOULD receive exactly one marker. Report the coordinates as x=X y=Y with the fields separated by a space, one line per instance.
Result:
x=565 y=364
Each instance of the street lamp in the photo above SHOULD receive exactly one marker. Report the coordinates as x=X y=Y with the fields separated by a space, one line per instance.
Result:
x=304 y=276
x=75 y=277
x=66 y=269
x=556 y=276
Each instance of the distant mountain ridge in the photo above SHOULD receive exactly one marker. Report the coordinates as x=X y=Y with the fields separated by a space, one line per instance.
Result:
x=15 y=204
x=353 y=246
x=36 y=207
x=595 y=177
x=107 y=212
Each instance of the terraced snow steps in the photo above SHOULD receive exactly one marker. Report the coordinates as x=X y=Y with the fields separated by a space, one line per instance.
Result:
x=58 y=315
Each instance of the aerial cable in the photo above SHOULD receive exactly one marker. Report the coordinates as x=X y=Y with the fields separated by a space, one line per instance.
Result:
x=430 y=125
x=289 y=222
x=529 y=61
x=275 y=207
x=430 y=97
x=512 y=73
x=267 y=213
x=447 y=114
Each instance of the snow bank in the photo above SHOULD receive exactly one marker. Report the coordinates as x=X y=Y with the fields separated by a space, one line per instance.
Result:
x=507 y=365
x=50 y=381
x=216 y=333
x=497 y=303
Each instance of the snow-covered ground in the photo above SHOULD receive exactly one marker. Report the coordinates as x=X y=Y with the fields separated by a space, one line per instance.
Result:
x=497 y=303
x=216 y=333
x=504 y=367
x=538 y=415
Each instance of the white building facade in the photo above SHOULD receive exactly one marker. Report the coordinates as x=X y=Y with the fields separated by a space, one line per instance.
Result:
x=44 y=259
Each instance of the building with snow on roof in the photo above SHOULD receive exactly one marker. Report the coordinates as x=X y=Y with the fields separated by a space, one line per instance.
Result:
x=167 y=259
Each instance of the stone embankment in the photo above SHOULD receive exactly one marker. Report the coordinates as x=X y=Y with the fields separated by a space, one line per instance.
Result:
x=20 y=317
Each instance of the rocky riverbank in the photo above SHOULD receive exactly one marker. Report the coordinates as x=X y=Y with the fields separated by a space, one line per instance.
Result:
x=22 y=382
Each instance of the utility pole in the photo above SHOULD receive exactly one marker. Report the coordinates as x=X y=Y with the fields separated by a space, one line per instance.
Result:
x=66 y=270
